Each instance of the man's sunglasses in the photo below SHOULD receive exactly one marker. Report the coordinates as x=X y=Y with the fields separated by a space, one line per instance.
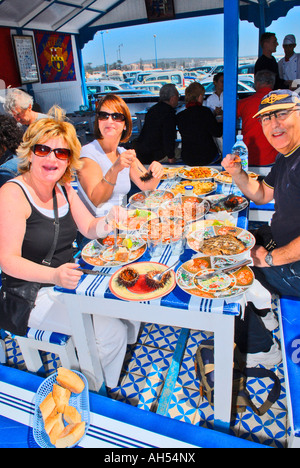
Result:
x=43 y=151
x=116 y=116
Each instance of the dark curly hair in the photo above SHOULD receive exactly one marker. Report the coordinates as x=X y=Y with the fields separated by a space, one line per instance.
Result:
x=10 y=134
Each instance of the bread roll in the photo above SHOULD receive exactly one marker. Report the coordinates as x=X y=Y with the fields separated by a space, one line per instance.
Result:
x=68 y=379
x=48 y=406
x=57 y=429
x=71 y=415
x=70 y=435
x=51 y=421
x=61 y=397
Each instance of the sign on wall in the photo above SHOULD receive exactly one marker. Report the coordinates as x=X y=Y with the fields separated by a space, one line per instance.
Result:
x=55 y=57
x=26 y=59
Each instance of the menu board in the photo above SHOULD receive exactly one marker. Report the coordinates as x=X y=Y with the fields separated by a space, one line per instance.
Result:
x=26 y=59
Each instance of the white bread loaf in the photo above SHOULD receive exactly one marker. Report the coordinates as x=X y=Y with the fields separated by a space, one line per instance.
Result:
x=57 y=429
x=70 y=435
x=51 y=421
x=48 y=406
x=61 y=397
x=71 y=415
x=68 y=379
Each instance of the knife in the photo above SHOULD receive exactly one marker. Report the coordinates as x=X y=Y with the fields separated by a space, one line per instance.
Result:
x=234 y=267
x=93 y=272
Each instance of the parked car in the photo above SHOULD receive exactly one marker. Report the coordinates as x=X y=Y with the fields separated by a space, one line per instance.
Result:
x=96 y=87
x=151 y=87
x=173 y=76
x=243 y=89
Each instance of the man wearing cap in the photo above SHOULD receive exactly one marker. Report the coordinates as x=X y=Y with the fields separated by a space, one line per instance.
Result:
x=278 y=265
x=289 y=65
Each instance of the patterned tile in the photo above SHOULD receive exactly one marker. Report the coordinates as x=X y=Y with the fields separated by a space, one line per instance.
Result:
x=150 y=361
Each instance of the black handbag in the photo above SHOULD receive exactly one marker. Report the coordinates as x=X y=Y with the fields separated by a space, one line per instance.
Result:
x=16 y=303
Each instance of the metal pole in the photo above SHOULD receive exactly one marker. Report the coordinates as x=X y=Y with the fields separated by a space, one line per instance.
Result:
x=102 y=32
x=154 y=35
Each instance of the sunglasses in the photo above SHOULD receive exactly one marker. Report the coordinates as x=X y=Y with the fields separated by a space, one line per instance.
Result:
x=43 y=151
x=279 y=115
x=116 y=116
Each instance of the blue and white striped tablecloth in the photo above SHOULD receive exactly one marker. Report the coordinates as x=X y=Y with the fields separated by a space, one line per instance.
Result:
x=98 y=286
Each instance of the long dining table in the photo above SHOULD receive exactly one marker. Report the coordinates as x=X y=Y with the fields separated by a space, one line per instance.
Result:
x=178 y=308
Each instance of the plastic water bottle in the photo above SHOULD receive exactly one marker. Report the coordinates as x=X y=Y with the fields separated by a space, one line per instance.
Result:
x=241 y=150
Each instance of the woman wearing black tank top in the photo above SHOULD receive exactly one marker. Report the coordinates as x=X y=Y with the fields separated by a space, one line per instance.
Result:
x=49 y=156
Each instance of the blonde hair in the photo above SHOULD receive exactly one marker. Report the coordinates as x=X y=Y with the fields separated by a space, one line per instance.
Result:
x=193 y=91
x=53 y=126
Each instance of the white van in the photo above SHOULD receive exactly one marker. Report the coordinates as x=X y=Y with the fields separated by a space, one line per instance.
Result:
x=174 y=76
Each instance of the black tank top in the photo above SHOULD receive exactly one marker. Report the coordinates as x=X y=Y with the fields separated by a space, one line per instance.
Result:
x=39 y=237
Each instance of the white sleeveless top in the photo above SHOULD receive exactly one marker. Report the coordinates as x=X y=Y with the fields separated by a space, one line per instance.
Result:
x=95 y=152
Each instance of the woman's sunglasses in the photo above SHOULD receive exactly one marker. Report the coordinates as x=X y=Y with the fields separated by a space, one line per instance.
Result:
x=116 y=116
x=43 y=151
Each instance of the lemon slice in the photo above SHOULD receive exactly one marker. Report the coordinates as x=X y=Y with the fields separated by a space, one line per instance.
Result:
x=127 y=243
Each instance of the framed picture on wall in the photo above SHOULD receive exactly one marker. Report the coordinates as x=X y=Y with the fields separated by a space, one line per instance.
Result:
x=158 y=10
x=26 y=59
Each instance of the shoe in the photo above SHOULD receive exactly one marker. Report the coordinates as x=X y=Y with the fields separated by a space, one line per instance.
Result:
x=270 y=322
x=270 y=358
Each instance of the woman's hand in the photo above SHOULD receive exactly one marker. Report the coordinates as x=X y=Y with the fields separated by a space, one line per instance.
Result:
x=125 y=159
x=157 y=169
x=67 y=275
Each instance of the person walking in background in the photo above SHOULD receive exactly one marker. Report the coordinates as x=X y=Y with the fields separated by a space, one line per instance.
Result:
x=198 y=128
x=260 y=152
x=157 y=139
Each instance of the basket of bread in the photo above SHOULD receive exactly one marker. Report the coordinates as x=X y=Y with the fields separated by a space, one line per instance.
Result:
x=62 y=414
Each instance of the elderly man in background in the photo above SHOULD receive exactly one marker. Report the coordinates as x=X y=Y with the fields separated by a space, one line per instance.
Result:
x=289 y=65
x=20 y=105
x=261 y=153
x=277 y=261
x=157 y=139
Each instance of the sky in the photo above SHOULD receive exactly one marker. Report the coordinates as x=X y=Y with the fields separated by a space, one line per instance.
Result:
x=192 y=37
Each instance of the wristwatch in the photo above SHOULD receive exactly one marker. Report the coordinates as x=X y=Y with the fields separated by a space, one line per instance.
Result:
x=269 y=259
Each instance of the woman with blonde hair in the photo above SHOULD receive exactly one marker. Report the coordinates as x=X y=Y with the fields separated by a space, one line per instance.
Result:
x=198 y=128
x=108 y=168
x=30 y=203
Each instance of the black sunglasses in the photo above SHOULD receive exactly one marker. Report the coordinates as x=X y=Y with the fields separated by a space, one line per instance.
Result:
x=116 y=116
x=43 y=151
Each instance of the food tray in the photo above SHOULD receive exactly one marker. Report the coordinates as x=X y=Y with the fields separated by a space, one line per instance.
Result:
x=79 y=401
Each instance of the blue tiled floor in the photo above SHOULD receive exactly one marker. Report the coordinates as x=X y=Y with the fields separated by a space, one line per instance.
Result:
x=144 y=372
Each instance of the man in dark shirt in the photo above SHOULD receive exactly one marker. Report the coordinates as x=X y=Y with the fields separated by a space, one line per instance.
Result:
x=279 y=269
x=158 y=135
x=267 y=61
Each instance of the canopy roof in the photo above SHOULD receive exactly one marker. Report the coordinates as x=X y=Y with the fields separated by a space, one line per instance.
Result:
x=86 y=17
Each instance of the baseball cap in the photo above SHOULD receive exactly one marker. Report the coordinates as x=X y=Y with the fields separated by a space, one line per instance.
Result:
x=289 y=39
x=278 y=99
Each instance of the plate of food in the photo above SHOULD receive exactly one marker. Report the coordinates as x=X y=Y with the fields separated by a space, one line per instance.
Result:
x=135 y=219
x=150 y=200
x=199 y=188
x=190 y=277
x=187 y=208
x=230 y=203
x=101 y=252
x=62 y=412
x=221 y=240
x=162 y=228
x=225 y=178
x=198 y=173
x=136 y=283
x=170 y=172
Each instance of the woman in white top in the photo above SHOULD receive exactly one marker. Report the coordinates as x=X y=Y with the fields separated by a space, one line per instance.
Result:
x=104 y=179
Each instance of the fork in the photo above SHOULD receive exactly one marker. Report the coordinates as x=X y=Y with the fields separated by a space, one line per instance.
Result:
x=159 y=276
